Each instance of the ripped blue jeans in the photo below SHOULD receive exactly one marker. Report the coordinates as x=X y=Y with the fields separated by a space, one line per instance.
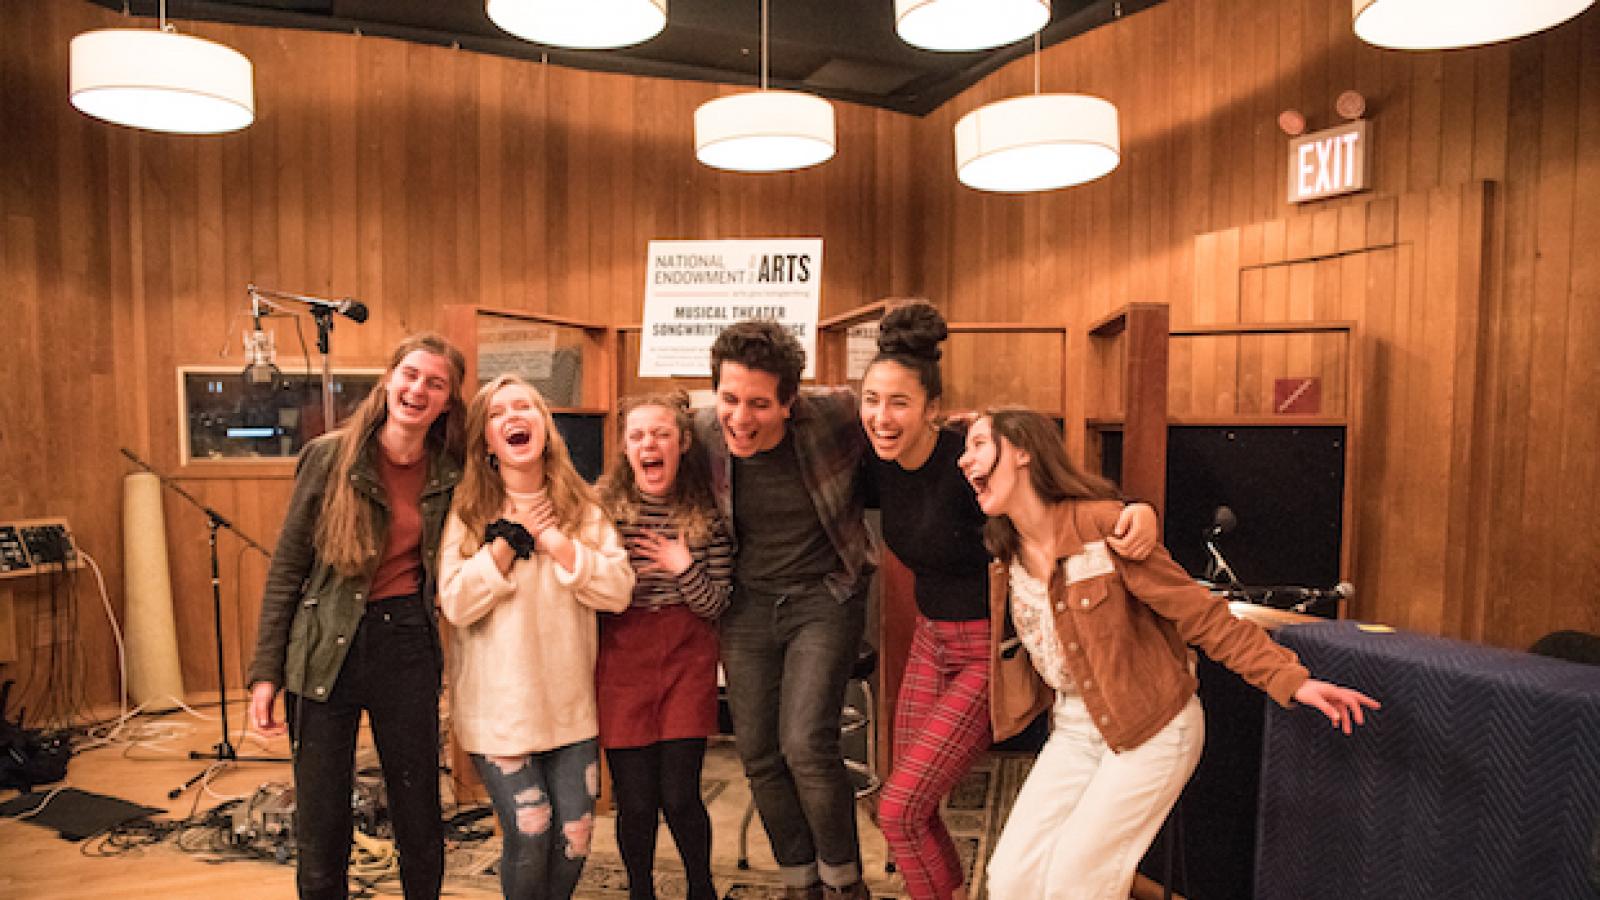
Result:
x=545 y=803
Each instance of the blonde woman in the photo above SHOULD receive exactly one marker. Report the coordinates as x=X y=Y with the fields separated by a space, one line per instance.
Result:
x=528 y=559
x=347 y=616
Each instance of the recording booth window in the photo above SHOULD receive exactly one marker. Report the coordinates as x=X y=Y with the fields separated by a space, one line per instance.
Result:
x=228 y=416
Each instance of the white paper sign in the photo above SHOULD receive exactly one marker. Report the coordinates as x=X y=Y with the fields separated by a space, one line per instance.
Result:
x=694 y=289
x=860 y=346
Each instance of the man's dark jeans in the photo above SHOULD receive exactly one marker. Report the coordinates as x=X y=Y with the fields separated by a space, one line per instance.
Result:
x=787 y=657
x=392 y=672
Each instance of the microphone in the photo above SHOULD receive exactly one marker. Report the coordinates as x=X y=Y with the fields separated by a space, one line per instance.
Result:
x=1310 y=597
x=1222 y=522
x=349 y=307
x=261 y=358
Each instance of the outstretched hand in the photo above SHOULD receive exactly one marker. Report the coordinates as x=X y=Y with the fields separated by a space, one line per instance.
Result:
x=1341 y=705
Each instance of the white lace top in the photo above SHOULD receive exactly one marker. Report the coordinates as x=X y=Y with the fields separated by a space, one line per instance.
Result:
x=1036 y=626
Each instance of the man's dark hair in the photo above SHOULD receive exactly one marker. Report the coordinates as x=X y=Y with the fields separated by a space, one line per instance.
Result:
x=763 y=346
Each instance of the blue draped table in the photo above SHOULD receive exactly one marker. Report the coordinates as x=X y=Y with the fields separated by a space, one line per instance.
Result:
x=1480 y=777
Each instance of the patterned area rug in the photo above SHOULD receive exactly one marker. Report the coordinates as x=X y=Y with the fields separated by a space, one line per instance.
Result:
x=974 y=813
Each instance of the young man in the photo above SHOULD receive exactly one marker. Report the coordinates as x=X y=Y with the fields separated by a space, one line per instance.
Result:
x=786 y=469
x=786 y=472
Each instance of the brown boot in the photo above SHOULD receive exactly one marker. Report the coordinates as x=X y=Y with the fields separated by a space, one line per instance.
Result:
x=857 y=891
x=809 y=892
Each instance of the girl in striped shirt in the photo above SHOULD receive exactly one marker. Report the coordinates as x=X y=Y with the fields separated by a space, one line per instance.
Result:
x=657 y=673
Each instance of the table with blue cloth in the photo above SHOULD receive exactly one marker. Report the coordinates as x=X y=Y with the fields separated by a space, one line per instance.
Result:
x=1479 y=778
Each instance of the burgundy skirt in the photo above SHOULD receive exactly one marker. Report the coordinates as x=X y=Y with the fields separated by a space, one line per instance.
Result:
x=656 y=678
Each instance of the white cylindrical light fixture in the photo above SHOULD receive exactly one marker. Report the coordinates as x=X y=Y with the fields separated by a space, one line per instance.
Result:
x=1037 y=142
x=581 y=24
x=1445 y=24
x=764 y=131
x=957 y=25
x=161 y=81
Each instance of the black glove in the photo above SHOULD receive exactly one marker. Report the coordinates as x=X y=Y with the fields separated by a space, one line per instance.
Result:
x=521 y=541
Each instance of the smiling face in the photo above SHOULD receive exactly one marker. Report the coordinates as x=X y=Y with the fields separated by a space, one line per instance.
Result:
x=896 y=414
x=418 y=390
x=996 y=469
x=654 y=445
x=515 y=430
x=748 y=410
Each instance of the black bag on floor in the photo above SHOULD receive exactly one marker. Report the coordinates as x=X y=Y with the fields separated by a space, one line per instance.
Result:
x=27 y=756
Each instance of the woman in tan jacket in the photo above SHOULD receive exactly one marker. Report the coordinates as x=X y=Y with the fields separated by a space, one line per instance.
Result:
x=1106 y=642
x=527 y=560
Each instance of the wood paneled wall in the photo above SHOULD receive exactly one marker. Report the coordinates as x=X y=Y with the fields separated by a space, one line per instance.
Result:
x=412 y=177
x=408 y=176
x=1498 y=520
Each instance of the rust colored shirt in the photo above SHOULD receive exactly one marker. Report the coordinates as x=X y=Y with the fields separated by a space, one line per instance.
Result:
x=400 y=567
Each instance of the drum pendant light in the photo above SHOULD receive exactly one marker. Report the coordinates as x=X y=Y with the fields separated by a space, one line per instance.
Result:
x=1037 y=142
x=580 y=24
x=161 y=80
x=765 y=130
x=957 y=25
x=1447 y=24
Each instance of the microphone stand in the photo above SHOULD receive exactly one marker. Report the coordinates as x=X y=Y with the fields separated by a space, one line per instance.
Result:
x=321 y=310
x=223 y=751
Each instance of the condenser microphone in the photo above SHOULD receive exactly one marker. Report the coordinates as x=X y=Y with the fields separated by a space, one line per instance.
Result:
x=261 y=358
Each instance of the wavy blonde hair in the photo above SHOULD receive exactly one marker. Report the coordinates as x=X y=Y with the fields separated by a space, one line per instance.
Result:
x=693 y=505
x=481 y=496
x=347 y=528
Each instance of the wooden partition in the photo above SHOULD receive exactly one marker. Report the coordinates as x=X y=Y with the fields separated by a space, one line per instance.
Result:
x=1125 y=383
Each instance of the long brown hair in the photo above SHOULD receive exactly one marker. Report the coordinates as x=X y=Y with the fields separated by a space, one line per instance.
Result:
x=347 y=529
x=1052 y=475
x=482 y=494
x=690 y=499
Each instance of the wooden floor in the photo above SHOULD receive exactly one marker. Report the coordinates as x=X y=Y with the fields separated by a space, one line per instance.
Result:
x=37 y=864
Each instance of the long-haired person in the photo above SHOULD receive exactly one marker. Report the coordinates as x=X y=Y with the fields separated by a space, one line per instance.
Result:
x=528 y=559
x=932 y=522
x=657 y=674
x=347 y=616
x=1109 y=639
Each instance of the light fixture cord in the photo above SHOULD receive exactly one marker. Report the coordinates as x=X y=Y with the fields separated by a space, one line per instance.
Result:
x=763 y=44
x=1036 y=62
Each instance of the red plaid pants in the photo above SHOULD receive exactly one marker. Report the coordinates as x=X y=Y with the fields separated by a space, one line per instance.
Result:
x=941 y=727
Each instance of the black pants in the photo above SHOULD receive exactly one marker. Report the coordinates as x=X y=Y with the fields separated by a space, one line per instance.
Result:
x=392 y=672
x=662 y=779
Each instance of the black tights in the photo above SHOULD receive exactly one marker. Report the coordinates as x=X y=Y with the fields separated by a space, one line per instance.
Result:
x=662 y=779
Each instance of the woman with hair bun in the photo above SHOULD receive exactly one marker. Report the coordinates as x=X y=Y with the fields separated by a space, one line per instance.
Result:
x=932 y=522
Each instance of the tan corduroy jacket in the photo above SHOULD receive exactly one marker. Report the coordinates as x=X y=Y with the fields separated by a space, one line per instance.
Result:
x=1124 y=628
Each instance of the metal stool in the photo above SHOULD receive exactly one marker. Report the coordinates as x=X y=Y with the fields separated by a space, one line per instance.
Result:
x=851 y=720
x=1171 y=836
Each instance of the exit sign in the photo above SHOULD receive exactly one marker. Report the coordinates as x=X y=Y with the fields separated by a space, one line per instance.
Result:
x=1328 y=163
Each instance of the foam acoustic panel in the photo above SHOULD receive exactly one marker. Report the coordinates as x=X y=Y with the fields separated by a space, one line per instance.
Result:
x=155 y=679
x=1479 y=778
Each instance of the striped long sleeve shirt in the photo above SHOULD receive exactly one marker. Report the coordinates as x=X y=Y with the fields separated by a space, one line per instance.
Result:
x=705 y=587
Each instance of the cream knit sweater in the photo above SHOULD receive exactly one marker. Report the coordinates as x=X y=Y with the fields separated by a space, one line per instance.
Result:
x=522 y=646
